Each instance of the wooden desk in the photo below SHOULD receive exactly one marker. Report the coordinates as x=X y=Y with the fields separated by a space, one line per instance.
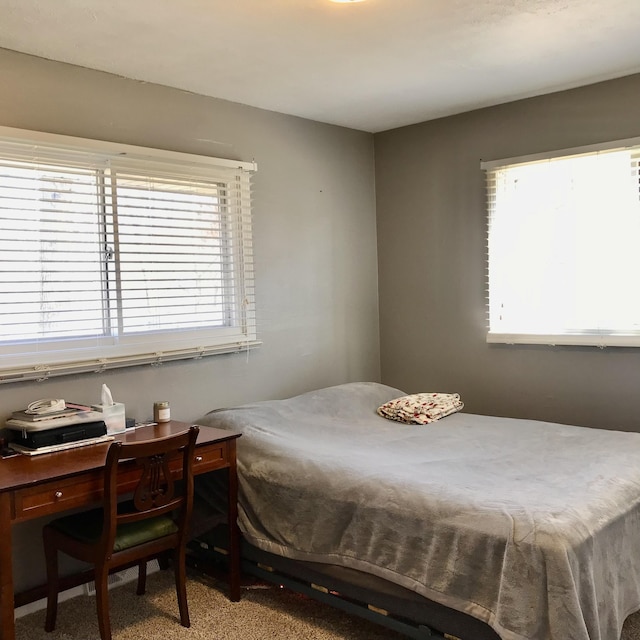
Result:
x=34 y=486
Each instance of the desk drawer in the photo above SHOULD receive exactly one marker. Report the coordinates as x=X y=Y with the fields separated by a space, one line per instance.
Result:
x=60 y=495
x=55 y=496
x=209 y=458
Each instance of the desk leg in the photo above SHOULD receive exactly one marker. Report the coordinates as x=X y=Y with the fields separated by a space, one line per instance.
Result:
x=7 y=624
x=234 y=534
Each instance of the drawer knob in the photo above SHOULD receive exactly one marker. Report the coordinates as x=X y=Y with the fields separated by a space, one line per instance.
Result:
x=198 y=458
x=58 y=494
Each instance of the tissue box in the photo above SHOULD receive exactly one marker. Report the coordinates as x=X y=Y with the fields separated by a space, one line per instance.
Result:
x=113 y=416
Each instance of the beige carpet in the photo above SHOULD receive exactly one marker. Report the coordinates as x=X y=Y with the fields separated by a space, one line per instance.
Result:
x=262 y=613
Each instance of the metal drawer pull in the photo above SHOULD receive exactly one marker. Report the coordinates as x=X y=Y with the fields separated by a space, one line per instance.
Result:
x=58 y=494
x=198 y=458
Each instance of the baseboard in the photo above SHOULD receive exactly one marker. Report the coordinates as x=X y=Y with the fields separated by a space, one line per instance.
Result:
x=115 y=580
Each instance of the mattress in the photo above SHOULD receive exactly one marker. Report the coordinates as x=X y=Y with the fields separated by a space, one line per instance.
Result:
x=531 y=527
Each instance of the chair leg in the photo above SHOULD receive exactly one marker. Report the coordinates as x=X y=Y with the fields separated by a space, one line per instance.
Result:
x=179 y=562
x=51 y=559
x=102 y=600
x=142 y=577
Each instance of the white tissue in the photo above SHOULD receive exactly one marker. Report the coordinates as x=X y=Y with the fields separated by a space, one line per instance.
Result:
x=112 y=412
x=107 y=398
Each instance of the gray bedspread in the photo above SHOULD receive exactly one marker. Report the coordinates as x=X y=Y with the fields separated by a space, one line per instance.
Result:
x=532 y=527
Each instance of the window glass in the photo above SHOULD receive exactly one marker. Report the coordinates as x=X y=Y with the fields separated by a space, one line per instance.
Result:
x=562 y=249
x=112 y=261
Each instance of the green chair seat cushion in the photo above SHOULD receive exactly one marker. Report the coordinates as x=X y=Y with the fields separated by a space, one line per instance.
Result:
x=87 y=527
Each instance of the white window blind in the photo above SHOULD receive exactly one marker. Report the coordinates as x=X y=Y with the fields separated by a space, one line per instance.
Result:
x=563 y=247
x=113 y=255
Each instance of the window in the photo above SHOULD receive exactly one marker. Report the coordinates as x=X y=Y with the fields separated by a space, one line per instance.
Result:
x=563 y=247
x=113 y=255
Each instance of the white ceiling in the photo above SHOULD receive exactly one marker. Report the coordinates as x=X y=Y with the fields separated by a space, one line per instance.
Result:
x=371 y=65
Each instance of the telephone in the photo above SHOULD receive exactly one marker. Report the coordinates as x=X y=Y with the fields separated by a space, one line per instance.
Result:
x=46 y=405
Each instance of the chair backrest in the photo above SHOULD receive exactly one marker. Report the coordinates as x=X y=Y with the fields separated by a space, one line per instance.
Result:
x=155 y=494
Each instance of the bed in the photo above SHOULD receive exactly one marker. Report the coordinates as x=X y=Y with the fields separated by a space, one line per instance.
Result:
x=474 y=526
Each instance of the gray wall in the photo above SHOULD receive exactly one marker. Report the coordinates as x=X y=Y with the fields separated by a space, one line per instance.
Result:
x=431 y=251
x=314 y=243
x=315 y=249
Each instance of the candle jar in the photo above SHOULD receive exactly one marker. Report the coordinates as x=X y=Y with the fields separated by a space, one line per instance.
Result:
x=161 y=412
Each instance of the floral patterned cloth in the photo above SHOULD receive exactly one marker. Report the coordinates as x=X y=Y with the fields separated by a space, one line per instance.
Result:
x=421 y=408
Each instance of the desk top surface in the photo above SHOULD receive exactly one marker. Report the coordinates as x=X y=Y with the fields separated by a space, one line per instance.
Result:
x=21 y=470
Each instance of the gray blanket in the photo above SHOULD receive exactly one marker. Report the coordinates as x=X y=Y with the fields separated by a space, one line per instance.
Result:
x=532 y=527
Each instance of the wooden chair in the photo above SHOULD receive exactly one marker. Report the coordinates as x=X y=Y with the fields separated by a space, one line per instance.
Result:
x=154 y=521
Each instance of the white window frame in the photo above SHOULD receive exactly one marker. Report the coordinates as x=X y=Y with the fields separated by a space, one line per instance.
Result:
x=549 y=330
x=39 y=360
